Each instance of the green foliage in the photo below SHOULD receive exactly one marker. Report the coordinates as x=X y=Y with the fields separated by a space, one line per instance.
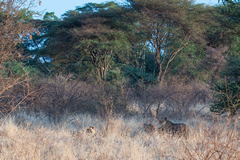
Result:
x=50 y=16
x=136 y=75
x=227 y=96
x=230 y=2
x=88 y=38
x=25 y=14
x=234 y=47
x=227 y=23
x=115 y=76
x=162 y=22
x=149 y=64
x=186 y=63
x=95 y=7
x=220 y=30
x=233 y=69
x=17 y=69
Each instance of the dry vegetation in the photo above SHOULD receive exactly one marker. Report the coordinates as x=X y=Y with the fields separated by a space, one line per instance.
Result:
x=53 y=123
x=34 y=137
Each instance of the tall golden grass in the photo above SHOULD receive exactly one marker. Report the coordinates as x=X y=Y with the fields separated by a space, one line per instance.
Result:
x=33 y=137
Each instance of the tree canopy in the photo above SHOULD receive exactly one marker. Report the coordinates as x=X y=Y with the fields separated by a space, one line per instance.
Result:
x=162 y=22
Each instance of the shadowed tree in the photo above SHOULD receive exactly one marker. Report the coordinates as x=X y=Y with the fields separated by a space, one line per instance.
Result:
x=94 y=33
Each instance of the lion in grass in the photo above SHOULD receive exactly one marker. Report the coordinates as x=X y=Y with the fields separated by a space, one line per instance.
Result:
x=91 y=130
x=179 y=129
x=149 y=128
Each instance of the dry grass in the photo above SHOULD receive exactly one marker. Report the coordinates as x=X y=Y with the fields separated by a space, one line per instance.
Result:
x=31 y=137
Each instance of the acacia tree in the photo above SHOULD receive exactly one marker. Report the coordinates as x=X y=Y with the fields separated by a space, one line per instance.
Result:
x=164 y=20
x=93 y=33
x=99 y=41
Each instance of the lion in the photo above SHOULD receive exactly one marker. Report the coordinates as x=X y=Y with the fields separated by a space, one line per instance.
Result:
x=91 y=130
x=179 y=129
x=149 y=128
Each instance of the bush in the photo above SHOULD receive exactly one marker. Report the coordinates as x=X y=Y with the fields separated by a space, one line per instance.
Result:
x=60 y=95
x=227 y=96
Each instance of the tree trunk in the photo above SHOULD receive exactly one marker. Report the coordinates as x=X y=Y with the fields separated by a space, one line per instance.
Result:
x=99 y=79
x=159 y=65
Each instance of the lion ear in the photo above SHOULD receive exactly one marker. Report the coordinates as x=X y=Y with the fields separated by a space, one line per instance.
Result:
x=165 y=118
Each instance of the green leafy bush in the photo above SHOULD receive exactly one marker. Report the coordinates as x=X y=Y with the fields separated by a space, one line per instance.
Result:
x=227 y=96
x=17 y=69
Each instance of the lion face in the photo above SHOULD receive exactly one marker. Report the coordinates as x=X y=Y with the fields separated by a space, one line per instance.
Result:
x=91 y=130
x=163 y=121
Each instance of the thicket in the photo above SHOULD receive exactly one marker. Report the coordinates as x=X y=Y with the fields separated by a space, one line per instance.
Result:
x=227 y=96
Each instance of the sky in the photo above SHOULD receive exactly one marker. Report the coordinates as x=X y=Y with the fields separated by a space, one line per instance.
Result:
x=59 y=7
